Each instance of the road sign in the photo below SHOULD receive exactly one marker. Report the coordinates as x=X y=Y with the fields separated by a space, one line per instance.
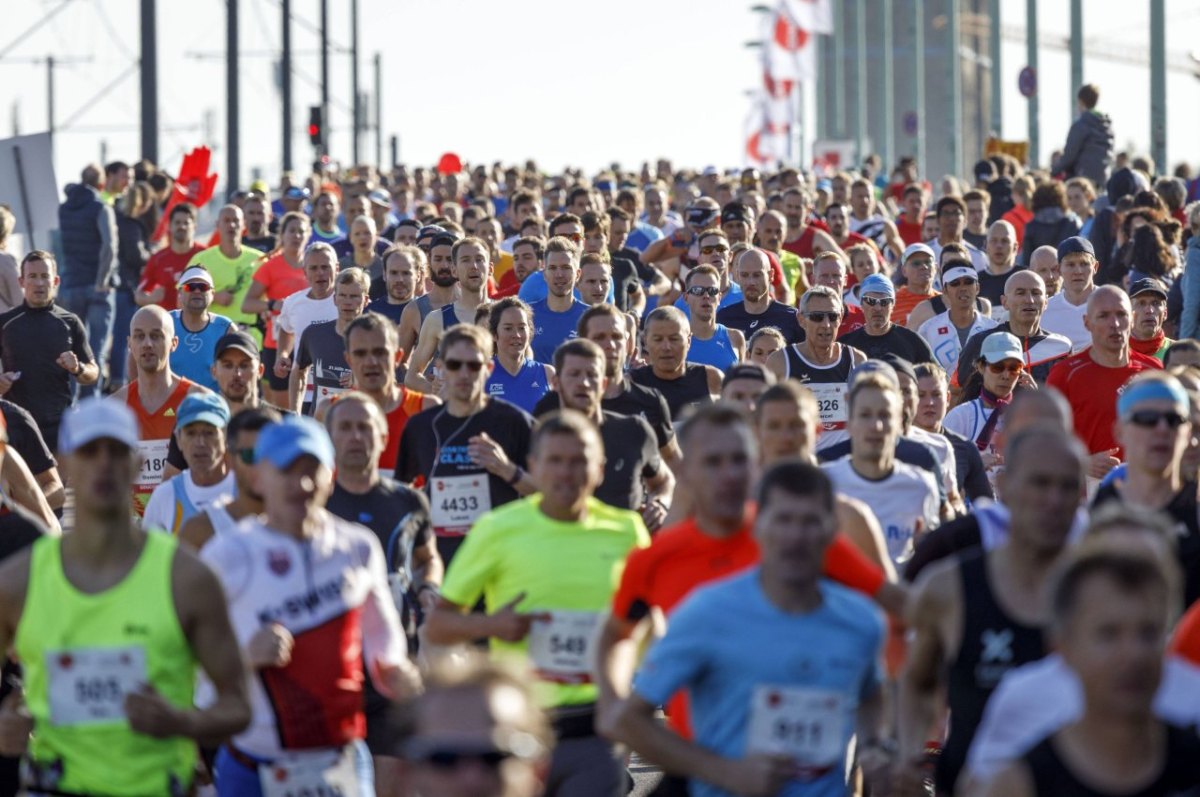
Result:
x=911 y=123
x=1027 y=82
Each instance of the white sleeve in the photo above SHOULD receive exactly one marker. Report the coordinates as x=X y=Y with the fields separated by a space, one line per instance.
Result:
x=950 y=470
x=158 y=509
x=284 y=319
x=958 y=420
x=932 y=507
x=383 y=640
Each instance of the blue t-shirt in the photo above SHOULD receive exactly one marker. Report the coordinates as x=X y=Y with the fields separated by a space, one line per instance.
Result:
x=525 y=389
x=731 y=648
x=550 y=329
x=733 y=297
x=534 y=289
x=642 y=235
x=387 y=309
x=194 y=356
x=717 y=351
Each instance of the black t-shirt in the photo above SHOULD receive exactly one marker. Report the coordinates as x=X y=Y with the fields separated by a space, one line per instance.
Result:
x=434 y=443
x=386 y=308
x=634 y=399
x=777 y=315
x=625 y=278
x=266 y=244
x=630 y=455
x=689 y=390
x=991 y=286
x=323 y=350
x=31 y=340
x=976 y=239
x=972 y=475
x=897 y=340
x=949 y=539
x=26 y=439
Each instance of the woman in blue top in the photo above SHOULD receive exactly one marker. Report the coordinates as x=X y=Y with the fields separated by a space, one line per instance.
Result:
x=516 y=378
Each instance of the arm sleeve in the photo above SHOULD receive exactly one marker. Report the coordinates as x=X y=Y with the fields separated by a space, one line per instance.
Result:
x=679 y=657
x=26 y=438
x=629 y=601
x=303 y=355
x=847 y=565
x=158 y=509
x=262 y=275
x=79 y=342
x=284 y=319
x=106 y=222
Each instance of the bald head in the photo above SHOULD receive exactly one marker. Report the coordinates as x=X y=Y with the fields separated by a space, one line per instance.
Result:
x=152 y=339
x=1042 y=257
x=1107 y=298
x=1022 y=282
x=152 y=316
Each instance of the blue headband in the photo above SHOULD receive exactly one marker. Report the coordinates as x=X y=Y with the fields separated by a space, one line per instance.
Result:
x=1151 y=390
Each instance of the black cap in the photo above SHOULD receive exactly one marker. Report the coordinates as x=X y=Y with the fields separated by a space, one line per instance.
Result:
x=985 y=170
x=1147 y=285
x=737 y=211
x=236 y=340
x=899 y=364
x=745 y=371
x=1074 y=245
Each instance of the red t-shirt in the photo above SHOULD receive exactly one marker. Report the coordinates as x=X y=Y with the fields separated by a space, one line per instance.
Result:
x=802 y=246
x=910 y=232
x=164 y=268
x=854 y=320
x=1092 y=389
x=509 y=286
x=1185 y=642
x=281 y=280
x=1018 y=217
x=683 y=558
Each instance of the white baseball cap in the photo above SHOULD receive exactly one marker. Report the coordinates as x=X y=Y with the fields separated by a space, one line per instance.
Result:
x=94 y=418
x=195 y=274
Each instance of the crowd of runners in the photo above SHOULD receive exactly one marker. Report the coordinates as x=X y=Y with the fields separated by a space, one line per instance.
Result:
x=480 y=482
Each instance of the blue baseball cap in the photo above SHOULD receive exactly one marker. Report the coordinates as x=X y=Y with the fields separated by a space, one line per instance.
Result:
x=203 y=408
x=295 y=436
x=1074 y=245
x=297 y=192
x=877 y=283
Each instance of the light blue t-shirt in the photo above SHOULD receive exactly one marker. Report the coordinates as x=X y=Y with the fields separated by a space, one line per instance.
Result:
x=733 y=297
x=731 y=648
x=534 y=289
x=642 y=235
x=194 y=356
x=550 y=329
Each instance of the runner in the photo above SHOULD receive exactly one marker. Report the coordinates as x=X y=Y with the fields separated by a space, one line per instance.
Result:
x=744 y=383
x=516 y=377
x=1001 y=250
x=304 y=308
x=154 y=396
x=323 y=346
x=200 y=429
x=682 y=384
x=757 y=309
x=919 y=267
x=403 y=278
x=468 y=452
x=45 y=344
x=437 y=244
x=732 y=646
x=948 y=323
x=880 y=335
x=712 y=343
x=472 y=270
x=222 y=517
x=197 y=329
x=556 y=317
x=1149 y=299
x=1000 y=368
x=371 y=355
x=933 y=398
x=110 y=623
x=821 y=363
x=804 y=237
x=546 y=567
x=829 y=269
x=399 y=517
x=160 y=276
x=1044 y=262
x=951 y=212
x=978 y=616
x=232 y=265
x=310 y=604
x=1066 y=310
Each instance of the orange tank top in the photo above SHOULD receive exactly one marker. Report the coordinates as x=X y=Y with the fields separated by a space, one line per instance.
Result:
x=155 y=430
x=409 y=405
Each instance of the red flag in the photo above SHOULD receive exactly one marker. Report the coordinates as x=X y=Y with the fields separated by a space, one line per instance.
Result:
x=194 y=185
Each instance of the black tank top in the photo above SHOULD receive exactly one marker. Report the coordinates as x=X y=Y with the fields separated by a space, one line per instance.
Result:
x=992 y=644
x=1052 y=778
x=938 y=305
x=691 y=389
x=802 y=370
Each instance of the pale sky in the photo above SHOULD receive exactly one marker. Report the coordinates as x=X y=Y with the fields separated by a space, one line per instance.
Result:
x=626 y=81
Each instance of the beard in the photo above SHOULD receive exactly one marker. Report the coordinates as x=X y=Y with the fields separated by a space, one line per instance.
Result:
x=444 y=280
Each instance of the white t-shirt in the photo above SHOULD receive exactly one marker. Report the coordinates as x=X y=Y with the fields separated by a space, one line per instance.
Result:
x=1038 y=699
x=943 y=449
x=942 y=336
x=299 y=311
x=1067 y=320
x=165 y=513
x=904 y=503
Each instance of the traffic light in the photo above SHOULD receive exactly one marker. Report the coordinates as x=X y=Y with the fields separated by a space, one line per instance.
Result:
x=316 y=126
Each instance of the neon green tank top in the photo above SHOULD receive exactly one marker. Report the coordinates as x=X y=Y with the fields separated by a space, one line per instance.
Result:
x=82 y=654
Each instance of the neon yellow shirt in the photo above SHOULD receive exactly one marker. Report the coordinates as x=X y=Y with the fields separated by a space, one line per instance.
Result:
x=234 y=276
x=570 y=568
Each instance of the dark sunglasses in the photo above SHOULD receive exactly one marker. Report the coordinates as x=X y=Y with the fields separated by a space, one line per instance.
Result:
x=958 y=283
x=709 y=250
x=820 y=317
x=871 y=301
x=700 y=290
x=1151 y=418
x=1001 y=367
x=197 y=287
x=453 y=759
x=475 y=366
x=246 y=455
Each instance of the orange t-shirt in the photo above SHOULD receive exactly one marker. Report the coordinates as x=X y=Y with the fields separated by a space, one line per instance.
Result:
x=1185 y=642
x=280 y=280
x=154 y=438
x=409 y=405
x=683 y=558
x=906 y=300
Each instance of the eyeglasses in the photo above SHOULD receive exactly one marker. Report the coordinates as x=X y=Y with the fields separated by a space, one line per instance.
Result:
x=871 y=301
x=713 y=250
x=453 y=759
x=819 y=317
x=1008 y=365
x=246 y=455
x=1151 y=418
x=197 y=287
x=474 y=366
x=960 y=282
x=700 y=290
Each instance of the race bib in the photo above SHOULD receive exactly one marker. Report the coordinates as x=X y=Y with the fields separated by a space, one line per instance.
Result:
x=325 y=393
x=563 y=648
x=87 y=686
x=458 y=501
x=154 y=461
x=832 y=406
x=806 y=724
x=325 y=774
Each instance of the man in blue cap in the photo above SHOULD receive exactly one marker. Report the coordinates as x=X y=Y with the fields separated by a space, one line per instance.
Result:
x=310 y=603
x=200 y=433
x=1066 y=309
x=880 y=335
